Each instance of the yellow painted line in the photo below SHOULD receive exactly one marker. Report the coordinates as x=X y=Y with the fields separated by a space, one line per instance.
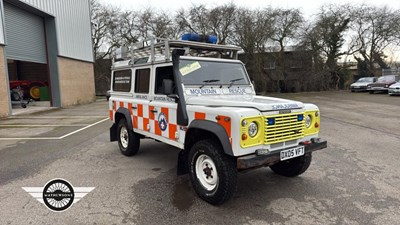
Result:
x=54 y=138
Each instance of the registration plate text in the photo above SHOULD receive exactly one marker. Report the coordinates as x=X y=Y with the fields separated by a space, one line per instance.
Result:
x=292 y=153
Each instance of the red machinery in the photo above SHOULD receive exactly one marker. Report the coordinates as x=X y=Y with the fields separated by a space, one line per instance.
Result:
x=30 y=88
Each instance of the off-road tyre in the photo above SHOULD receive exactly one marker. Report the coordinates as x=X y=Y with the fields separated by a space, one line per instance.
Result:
x=128 y=141
x=293 y=167
x=207 y=151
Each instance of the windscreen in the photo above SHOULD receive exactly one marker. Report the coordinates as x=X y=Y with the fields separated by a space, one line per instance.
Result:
x=196 y=72
x=386 y=79
x=366 y=79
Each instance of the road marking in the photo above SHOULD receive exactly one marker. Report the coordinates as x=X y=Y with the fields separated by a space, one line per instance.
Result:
x=42 y=125
x=83 y=128
x=29 y=138
x=53 y=117
x=55 y=138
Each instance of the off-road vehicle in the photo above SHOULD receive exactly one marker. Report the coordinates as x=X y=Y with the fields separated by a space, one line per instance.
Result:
x=198 y=97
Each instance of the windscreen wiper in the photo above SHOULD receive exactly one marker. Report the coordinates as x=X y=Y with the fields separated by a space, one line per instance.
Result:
x=231 y=82
x=207 y=82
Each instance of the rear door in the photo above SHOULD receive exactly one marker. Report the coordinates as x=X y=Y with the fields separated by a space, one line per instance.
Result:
x=141 y=99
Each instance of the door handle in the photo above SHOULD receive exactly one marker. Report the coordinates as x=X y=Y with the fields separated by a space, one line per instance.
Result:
x=134 y=107
x=154 y=111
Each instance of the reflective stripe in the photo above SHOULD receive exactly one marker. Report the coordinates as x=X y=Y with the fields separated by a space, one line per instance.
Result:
x=199 y=116
x=225 y=121
x=140 y=110
x=142 y=117
x=111 y=113
x=172 y=131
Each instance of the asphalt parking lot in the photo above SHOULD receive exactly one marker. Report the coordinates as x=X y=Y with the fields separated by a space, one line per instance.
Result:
x=356 y=180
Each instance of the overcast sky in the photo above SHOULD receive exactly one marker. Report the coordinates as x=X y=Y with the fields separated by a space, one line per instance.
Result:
x=308 y=7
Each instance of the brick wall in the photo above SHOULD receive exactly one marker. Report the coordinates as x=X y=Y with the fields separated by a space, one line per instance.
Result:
x=4 y=96
x=76 y=81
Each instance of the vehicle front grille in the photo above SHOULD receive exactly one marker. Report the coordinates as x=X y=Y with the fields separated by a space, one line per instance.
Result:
x=286 y=127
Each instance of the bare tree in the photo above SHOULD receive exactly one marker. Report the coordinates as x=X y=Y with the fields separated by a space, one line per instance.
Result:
x=252 y=29
x=221 y=21
x=285 y=29
x=194 y=20
x=375 y=30
x=326 y=37
x=105 y=29
x=286 y=25
x=199 y=19
x=127 y=29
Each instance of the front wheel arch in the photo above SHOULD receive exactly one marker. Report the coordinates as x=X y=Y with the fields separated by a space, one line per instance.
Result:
x=208 y=129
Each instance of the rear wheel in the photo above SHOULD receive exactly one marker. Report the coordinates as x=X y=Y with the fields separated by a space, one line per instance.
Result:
x=371 y=92
x=293 y=167
x=128 y=141
x=212 y=172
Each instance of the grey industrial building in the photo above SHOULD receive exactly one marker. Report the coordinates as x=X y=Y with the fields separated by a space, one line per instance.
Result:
x=47 y=41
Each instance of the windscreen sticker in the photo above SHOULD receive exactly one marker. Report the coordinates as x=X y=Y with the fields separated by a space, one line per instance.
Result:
x=190 y=68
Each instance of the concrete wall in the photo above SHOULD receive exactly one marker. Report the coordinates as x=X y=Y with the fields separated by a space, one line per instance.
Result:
x=4 y=95
x=76 y=81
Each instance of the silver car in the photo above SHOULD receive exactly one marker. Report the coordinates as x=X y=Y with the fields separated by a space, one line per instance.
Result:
x=362 y=83
x=394 y=89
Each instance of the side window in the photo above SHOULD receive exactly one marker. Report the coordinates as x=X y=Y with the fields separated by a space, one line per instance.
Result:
x=162 y=73
x=142 y=81
x=122 y=80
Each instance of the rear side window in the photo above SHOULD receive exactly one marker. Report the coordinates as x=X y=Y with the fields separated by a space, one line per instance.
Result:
x=122 y=80
x=142 y=81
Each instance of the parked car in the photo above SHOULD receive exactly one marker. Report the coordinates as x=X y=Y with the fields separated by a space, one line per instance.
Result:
x=108 y=94
x=394 y=89
x=362 y=83
x=383 y=83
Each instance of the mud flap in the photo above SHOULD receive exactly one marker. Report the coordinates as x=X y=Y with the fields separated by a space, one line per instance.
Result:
x=114 y=132
x=182 y=168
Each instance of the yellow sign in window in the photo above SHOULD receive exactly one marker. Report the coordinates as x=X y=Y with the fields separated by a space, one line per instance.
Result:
x=190 y=68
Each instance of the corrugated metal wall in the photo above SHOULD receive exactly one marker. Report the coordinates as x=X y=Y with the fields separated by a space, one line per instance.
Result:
x=25 y=35
x=72 y=24
x=1 y=23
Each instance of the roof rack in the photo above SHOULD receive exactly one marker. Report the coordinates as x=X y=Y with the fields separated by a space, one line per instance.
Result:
x=154 y=47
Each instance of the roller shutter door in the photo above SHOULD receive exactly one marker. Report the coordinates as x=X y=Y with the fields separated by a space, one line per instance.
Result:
x=25 y=38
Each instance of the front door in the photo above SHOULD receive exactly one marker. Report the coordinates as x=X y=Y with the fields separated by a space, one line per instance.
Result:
x=162 y=109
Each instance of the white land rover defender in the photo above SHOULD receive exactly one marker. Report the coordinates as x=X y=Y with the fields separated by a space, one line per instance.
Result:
x=197 y=96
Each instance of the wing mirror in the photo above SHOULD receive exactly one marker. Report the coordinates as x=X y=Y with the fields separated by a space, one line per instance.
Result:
x=168 y=88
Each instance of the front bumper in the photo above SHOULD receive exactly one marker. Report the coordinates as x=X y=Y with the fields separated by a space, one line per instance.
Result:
x=358 y=88
x=394 y=91
x=377 y=89
x=253 y=161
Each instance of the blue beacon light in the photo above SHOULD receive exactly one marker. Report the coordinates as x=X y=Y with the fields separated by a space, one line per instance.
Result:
x=200 y=38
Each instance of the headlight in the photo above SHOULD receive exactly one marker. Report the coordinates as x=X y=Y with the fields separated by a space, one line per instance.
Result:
x=253 y=129
x=308 y=121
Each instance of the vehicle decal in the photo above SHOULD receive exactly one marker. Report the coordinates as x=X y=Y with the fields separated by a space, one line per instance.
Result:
x=203 y=91
x=284 y=106
x=189 y=68
x=162 y=121
x=163 y=99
